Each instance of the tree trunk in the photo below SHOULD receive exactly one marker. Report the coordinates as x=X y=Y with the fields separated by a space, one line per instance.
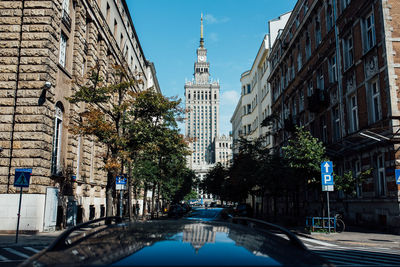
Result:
x=144 y=201
x=152 y=200
x=130 y=193
x=158 y=198
x=109 y=193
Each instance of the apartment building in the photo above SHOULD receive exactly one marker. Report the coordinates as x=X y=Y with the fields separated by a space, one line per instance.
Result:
x=333 y=71
x=254 y=104
x=46 y=47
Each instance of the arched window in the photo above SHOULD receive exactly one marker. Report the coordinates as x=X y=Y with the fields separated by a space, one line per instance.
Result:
x=56 y=153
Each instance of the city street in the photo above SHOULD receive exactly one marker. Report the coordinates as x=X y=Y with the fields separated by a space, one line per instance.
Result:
x=344 y=249
x=342 y=254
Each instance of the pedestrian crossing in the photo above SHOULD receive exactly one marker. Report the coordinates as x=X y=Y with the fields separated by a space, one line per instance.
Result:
x=13 y=255
x=354 y=256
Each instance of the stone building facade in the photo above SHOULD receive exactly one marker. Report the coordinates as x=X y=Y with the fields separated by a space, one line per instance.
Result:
x=48 y=47
x=334 y=71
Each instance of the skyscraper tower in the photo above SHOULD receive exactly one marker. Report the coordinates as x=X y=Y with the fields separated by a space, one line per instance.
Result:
x=202 y=105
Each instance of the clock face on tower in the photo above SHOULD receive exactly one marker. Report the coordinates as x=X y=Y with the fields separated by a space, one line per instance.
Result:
x=202 y=58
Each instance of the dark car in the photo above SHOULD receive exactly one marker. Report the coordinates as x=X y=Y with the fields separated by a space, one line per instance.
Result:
x=204 y=214
x=176 y=243
x=176 y=210
x=243 y=210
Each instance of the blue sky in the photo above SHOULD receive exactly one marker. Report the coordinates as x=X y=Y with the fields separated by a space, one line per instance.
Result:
x=169 y=32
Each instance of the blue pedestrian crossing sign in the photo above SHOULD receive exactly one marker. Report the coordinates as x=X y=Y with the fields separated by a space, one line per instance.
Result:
x=397 y=176
x=22 y=177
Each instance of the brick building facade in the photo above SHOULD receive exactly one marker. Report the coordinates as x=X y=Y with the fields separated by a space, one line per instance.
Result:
x=46 y=46
x=334 y=71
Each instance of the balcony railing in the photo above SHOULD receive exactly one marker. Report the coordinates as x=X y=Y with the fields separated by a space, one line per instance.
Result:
x=318 y=101
x=66 y=19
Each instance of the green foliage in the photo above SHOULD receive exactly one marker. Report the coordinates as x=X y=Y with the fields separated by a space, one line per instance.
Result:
x=305 y=153
x=349 y=182
x=191 y=195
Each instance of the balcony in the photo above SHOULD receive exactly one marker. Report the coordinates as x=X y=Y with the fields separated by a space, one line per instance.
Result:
x=66 y=19
x=318 y=101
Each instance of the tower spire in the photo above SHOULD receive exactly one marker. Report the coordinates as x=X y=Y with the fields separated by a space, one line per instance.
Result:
x=201 y=32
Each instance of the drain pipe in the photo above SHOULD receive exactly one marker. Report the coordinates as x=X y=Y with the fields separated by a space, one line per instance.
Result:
x=15 y=100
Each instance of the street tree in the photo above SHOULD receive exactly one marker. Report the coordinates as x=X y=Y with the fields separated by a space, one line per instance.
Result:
x=106 y=105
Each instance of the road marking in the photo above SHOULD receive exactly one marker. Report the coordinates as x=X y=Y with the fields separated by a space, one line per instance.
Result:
x=32 y=249
x=318 y=242
x=2 y=258
x=13 y=251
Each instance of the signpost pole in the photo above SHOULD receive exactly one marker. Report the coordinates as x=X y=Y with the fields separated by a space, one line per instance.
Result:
x=329 y=214
x=19 y=214
x=120 y=203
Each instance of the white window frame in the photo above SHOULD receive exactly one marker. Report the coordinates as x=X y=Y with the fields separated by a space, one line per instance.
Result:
x=332 y=69
x=375 y=101
x=369 y=36
x=320 y=80
x=345 y=4
x=380 y=167
x=353 y=106
x=336 y=124
x=318 y=33
x=63 y=49
x=348 y=51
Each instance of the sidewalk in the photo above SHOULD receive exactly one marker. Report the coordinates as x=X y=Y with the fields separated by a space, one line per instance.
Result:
x=39 y=239
x=358 y=237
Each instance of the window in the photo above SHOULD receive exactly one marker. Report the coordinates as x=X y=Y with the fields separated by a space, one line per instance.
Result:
x=353 y=113
x=332 y=69
x=65 y=7
x=357 y=172
x=348 y=51
x=63 y=49
x=369 y=32
x=305 y=7
x=299 y=58
x=115 y=28
x=248 y=89
x=108 y=13
x=56 y=153
x=320 y=79
x=345 y=4
x=329 y=16
x=301 y=100
x=324 y=129
x=375 y=101
x=381 y=175
x=317 y=31
x=308 y=46
x=336 y=124
x=310 y=89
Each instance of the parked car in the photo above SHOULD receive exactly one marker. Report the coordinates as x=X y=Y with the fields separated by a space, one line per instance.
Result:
x=242 y=242
x=243 y=210
x=176 y=210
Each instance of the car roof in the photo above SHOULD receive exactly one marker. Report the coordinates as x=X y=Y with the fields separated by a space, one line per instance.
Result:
x=179 y=242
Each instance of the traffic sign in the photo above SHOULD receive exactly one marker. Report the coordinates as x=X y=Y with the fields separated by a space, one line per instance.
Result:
x=326 y=167
x=22 y=177
x=327 y=179
x=397 y=176
x=120 y=182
